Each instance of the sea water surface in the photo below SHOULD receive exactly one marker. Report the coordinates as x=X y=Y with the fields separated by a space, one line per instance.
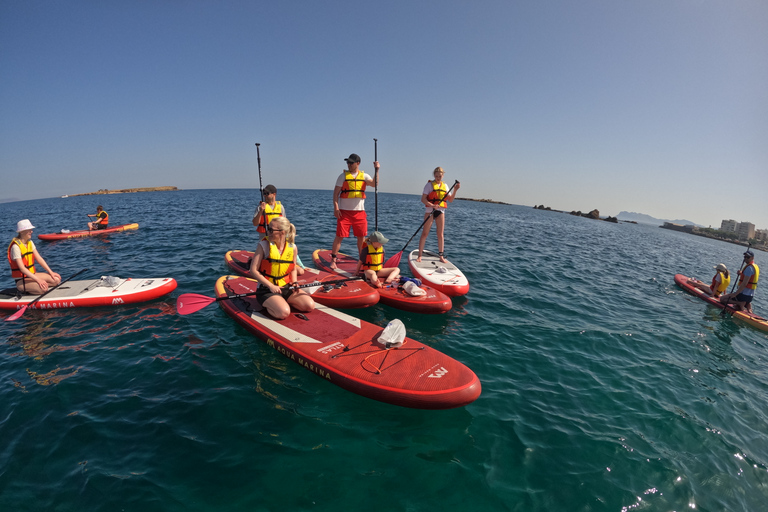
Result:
x=605 y=387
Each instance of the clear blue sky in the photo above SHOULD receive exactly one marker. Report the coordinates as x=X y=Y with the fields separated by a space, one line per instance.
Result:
x=652 y=106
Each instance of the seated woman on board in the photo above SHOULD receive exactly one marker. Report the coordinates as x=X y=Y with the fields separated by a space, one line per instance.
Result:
x=274 y=266
x=22 y=256
x=720 y=282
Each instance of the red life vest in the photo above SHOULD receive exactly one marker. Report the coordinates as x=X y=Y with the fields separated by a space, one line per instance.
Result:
x=27 y=257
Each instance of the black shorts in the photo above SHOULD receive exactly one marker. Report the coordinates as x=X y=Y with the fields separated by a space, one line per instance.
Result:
x=746 y=299
x=263 y=293
x=100 y=226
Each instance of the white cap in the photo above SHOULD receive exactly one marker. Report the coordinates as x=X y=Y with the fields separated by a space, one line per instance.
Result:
x=24 y=225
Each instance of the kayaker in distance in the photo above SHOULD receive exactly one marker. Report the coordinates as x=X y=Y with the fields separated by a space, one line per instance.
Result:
x=371 y=261
x=102 y=219
x=270 y=208
x=22 y=256
x=349 y=203
x=436 y=198
x=274 y=266
x=720 y=282
x=748 y=276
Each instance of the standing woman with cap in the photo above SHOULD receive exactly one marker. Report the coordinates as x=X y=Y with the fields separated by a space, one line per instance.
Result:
x=720 y=282
x=22 y=256
x=436 y=198
x=742 y=297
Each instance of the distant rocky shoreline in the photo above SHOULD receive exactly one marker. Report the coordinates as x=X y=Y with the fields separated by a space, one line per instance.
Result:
x=480 y=200
x=594 y=214
x=125 y=191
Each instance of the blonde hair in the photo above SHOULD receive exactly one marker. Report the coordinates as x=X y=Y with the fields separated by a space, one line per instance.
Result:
x=438 y=169
x=288 y=228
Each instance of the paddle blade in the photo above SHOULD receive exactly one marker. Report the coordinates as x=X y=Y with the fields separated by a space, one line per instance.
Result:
x=190 y=302
x=394 y=261
x=16 y=314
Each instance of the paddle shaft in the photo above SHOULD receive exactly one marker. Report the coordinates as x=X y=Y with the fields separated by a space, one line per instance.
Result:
x=261 y=187
x=21 y=311
x=375 y=186
x=307 y=285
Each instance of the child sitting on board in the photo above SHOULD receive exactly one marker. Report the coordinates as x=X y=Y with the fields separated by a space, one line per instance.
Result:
x=371 y=261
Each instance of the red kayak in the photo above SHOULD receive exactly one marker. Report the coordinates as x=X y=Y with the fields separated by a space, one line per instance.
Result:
x=86 y=232
x=349 y=295
x=753 y=320
x=434 y=302
x=346 y=352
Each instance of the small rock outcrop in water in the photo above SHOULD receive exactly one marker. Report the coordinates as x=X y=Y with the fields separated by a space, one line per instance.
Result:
x=125 y=191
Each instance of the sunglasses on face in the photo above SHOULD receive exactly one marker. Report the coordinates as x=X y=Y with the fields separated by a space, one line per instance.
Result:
x=274 y=230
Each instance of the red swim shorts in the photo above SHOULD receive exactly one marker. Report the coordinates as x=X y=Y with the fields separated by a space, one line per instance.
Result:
x=356 y=219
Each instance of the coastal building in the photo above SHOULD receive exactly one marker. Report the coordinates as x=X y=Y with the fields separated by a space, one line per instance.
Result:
x=746 y=230
x=729 y=226
x=761 y=235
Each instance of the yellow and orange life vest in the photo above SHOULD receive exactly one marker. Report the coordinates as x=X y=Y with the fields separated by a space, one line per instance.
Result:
x=270 y=213
x=354 y=186
x=724 y=282
x=277 y=267
x=104 y=221
x=752 y=284
x=437 y=196
x=27 y=257
x=374 y=260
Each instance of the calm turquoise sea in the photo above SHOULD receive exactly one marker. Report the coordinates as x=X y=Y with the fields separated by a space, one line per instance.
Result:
x=605 y=387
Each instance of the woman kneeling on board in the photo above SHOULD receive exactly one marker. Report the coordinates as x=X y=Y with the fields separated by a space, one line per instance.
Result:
x=719 y=283
x=22 y=256
x=274 y=267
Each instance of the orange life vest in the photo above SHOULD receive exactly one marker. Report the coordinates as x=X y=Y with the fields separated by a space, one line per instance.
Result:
x=437 y=196
x=104 y=221
x=27 y=257
x=277 y=267
x=353 y=186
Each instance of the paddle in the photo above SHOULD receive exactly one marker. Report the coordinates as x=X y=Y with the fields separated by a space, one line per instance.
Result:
x=376 y=186
x=190 y=302
x=735 y=282
x=261 y=187
x=394 y=261
x=24 y=308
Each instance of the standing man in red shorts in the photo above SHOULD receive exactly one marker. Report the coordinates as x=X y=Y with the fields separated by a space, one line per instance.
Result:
x=349 y=203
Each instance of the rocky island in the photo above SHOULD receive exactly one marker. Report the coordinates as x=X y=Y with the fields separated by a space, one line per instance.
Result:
x=125 y=191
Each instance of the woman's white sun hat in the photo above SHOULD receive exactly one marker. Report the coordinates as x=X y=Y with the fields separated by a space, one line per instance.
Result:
x=24 y=225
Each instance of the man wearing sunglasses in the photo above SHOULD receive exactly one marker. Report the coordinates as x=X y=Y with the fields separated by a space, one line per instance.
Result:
x=349 y=203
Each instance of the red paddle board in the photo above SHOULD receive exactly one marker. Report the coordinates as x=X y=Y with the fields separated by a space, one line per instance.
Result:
x=349 y=295
x=85 y=232
x=753 y=320
x=91 y=293
x=393 y=295
x=344 y=351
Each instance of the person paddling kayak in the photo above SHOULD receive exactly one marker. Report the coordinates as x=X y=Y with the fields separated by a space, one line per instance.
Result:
x=742 y=297
x=274 y=266
x=102 y=219
x=22 y=256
